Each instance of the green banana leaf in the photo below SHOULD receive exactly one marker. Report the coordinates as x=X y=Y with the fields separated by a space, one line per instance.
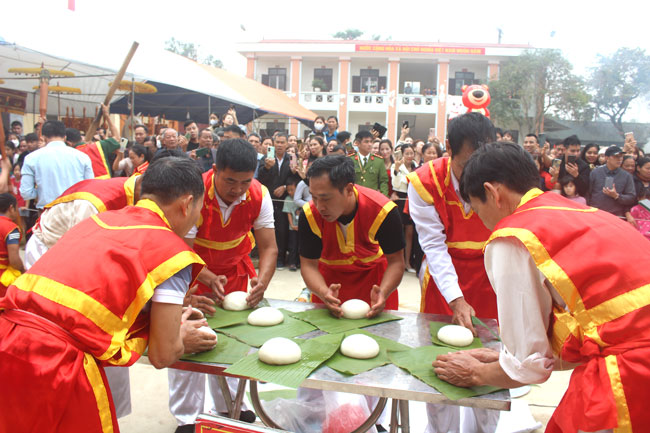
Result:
x=323 y=320
x=258 y=335
x=352 y=366
x=418 y=362
x=434 y=327
x=315 y=351
x=223 y=318
x=476 y=321
x=228 y=351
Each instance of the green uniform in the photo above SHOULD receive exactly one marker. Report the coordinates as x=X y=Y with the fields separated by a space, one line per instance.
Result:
x=371 y=175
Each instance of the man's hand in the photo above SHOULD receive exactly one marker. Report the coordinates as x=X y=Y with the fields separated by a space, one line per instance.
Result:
x=375 y=134
x=572 y=169
x=404 y=133
x=192 y=154
x=377 y=301
x=484 y=354
x=332 y=301
x=463 y=313
x=611 y=192
x=256 y=293
x=279 y=190
x=217 y=284
x=194 y=340
x=457 y=368
x=269 y=162
x=106 y=111
x=201 y=304
x=181 y=141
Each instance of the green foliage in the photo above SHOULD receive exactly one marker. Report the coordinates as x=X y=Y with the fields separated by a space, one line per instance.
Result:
x=190 y=50
x=348 y=35
x=319 y=83
x=617 y=81
x=536 y=84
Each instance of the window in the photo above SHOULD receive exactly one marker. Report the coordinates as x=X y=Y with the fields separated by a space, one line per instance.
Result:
x=459 y=80
x=368 y=81
x=324 y=74
x=271 y=127
x=276 y=78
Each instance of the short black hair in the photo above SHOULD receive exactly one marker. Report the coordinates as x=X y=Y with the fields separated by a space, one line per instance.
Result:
x=236 y=154
x=503 y=162
x=16 y=122
x=53 y=128
x=166 y=153
x=339 y=168
x=255 y=134
x=188 y=123
x=234 y=129
x=337 y=148
x=473 y=127
x=533 y=135
x=281 y=134
x=498 y=131
x=363 y=134
x=146 y=130
x=333 y=117
x=293 y=180
x=6 y=201
x=170 y=178
x=572 y=140
x=140 y=150
x=31 y=137
x=73 y=135
x=343 y=136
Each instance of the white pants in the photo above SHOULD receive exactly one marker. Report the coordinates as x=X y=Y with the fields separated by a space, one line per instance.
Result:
x=445 y=418
x=187 y=395
x=118 y=377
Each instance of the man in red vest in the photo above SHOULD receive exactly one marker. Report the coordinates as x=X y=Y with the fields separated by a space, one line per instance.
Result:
x=113 y=285
x=567 y=297
x=234 y=205
x=452 y=236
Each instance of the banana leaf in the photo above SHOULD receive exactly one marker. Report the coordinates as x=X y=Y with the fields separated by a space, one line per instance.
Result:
x=476 y=321
x=323 y=320
x=418 y=362
x=315 y=351
x=228 y=351
x=351 y=366
x=435 y=327
x=223 y=318
x=258 y=335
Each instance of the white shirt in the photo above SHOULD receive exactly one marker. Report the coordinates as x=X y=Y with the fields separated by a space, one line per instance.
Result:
x=263 y=221
x=363 y=159
x=431 y=233
x=400 y=181
x=57 y=220
x=525 y=302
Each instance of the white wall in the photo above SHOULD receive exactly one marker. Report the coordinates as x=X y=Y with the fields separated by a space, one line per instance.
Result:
x=479 y=69
x=359 y=64
x=355 y=119
x=263 y=66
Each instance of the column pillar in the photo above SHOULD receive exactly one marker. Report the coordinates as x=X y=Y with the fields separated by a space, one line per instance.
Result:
x=250 y=67
x=493 y=70
x=392 y=92
x=296 y=63
x=344 y=90
x=443 y=91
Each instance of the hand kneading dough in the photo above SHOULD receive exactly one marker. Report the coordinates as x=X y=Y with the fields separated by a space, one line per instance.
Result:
x=355 y=309
x=265 y=316
x=279 y=351
x=235 y=301
x=207 y=330
x=359 y=346
x=455 y=335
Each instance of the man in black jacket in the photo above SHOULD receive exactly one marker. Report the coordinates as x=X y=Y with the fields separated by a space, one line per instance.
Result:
x=273 y=173
x=575 y=167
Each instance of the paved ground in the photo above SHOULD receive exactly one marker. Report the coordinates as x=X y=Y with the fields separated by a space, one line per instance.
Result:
x=150 y=394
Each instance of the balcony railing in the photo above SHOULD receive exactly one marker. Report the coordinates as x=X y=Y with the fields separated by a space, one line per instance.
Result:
x=320 y=100
x=417 y=103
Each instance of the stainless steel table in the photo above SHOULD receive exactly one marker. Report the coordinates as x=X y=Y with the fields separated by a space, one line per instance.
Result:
x=384 y=382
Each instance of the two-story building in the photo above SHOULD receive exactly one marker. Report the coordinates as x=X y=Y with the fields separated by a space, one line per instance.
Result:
x=363 y=82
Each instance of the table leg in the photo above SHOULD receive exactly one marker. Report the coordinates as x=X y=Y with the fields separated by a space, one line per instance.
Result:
x=239 y=398
x=374 y=416
x=394 y=421
x=404 y=416
x=225 y=391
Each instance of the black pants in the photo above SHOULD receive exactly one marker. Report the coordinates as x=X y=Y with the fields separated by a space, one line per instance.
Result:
x=281 y=231
x=293 y=247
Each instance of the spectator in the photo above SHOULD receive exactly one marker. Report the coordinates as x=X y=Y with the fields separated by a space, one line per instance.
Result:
x=15 y=189
x=569 y=190
x=316 y=146
x=205 y=158
x=151 y=143
x=642 y=178
x=331 y=144
x=292 y=141
x=386 y=153
x=419 y=144
x=548 y=179
x=400 y=170
x=573 y=166
x=169 y=139
x=344 y=137
x=31 y=142
x=629 y=164
x=291 y=209
x=370 y=169
x=213 y=120
x=641 y=214
x=338 y=150
x=589 y=155
x=602 y=159
x=122 y=165
x=54 y=168
x=375 y=146
x=11 y=265
x=499 y=133
x=332 y=128
x=560 y=149
x=192 y=129
x=232 y=131
x=140 y=158
x=531 y=144
x=319 y=124
x=273 y=173
x=431 y=151
x=17 y=128
x=507 y=136
x=140 y=133
x=610 y=199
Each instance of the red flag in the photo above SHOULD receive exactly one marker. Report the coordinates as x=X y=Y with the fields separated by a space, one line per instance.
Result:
x=71 y=5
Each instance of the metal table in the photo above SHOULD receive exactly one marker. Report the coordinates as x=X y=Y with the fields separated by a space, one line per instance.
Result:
x=384 y=382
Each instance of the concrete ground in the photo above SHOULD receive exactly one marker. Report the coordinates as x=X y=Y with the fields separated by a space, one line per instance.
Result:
x=149 y=392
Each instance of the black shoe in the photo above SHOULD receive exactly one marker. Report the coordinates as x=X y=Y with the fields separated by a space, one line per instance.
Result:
x=279 y=266
x=245 y=416
x=293 y=268
x=187 y=428
x=380 y=428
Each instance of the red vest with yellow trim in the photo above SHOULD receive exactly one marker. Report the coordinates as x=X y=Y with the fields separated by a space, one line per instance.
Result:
x=466 y=235
x=95 y=282
x=7 y=273
x=355 y=261
x=600 y=266
x=104 y=194
x=97 y=158
x=225 y=245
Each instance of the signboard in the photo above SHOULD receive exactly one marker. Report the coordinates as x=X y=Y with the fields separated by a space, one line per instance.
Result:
x=13 y=101
x=422 y=49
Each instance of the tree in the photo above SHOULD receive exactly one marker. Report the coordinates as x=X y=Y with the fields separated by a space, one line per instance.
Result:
x=348 y=35
x=536 y=84
x=379 y=38
x=191 y=51
x=617 y=81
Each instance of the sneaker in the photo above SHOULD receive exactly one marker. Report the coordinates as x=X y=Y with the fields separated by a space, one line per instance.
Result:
x=410 y=270
x=279 y=266
x=293 y=268
x=187 y=428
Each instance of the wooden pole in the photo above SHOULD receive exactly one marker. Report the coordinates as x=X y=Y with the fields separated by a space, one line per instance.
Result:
x=3 y=151
x=116 y=82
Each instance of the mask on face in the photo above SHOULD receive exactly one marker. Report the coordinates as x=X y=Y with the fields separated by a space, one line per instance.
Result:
x=213 y=122
x=318 y=126
x=15 y=142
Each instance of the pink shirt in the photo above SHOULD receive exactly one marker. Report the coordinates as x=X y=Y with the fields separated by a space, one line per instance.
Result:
x=642 y=217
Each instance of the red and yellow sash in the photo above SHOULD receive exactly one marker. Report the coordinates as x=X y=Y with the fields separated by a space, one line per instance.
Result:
x=97 y=158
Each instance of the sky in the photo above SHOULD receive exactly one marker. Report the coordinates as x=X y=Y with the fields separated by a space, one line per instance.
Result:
x=98 y=30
